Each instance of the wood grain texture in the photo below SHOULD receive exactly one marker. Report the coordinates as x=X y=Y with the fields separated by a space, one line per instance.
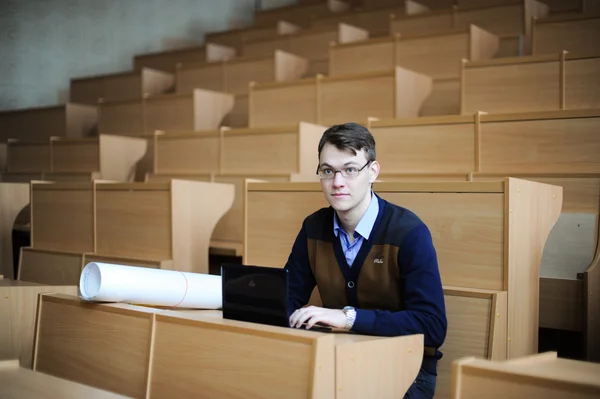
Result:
x=50 y=267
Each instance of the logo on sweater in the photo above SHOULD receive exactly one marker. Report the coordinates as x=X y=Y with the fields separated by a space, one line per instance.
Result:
x=377 y=257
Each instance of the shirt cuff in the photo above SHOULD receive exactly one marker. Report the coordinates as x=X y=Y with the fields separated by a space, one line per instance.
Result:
x=365 y=320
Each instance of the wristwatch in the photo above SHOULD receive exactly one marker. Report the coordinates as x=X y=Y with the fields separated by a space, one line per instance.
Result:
x=350 y=316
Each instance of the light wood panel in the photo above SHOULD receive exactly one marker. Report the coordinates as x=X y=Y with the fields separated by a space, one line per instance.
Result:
x=571 y=34
x=167 y=60
x=120 y=87
x=14 y=197
x=437 y=55
x=236 y=38
x=50 y=267
x=538 y=376
x=105 y=347
x=18 y=314
x=35 y=124
x=234 y=76
x=300 y=14
x=330 y=100
x=62 y=217
x=122 y=117
x=181 y=153
x=444 y=98
x=28 y=156
x=536 y=83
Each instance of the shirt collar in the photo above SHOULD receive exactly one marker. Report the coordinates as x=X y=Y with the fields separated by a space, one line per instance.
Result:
x=366 y=223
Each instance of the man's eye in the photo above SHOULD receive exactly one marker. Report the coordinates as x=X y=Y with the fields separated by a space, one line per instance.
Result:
x=351 y=170
x=327 y=171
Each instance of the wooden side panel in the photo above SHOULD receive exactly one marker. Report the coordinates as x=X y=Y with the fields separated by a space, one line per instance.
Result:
x=312 y=45
x=170 y=113
x=239 y=75
x=501 y=21
x=134 y=223
x=266 y=47
x=422 y=24
x=210 y=76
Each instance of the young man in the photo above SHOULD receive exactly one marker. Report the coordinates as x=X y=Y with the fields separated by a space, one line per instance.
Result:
x=373 y=262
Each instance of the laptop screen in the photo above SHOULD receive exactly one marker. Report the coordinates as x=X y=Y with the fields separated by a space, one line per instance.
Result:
x=256 y=294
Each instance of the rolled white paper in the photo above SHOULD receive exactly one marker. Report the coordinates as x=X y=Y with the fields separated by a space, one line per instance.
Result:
x=105 y=282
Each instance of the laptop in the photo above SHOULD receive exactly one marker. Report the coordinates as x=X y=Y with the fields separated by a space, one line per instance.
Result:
x=257 y=294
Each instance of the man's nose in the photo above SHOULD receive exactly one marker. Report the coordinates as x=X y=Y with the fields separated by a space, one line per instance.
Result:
x=338 y=179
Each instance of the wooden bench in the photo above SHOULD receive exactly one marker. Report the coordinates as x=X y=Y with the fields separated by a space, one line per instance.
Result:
x=533 y=83
x=134 y=353
x=374 y=20
x=233 y=156
x=18 y=310
x=120 y=86
x=538 y=376
x=13 y=198
x=432 y=4
x=437 y=55
x=502 y=20
x=312 y=44
x=236 y=38
x=554 y=6
x=166 y=61
x=113 y=157
x=488 y=249
x=299 y=14
x=495 y=146
x=69 y=120
x=573 y=34
x=158 y=222
x=326 y=100
x=198 y=110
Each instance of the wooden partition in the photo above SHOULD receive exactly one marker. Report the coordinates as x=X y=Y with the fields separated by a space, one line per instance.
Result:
x=121 y=86
x=374 y=20
x=574 y=34
x=18 y=314
x=495 y=249
x=432 y=4
x=436 y=55
x=237 y=37
x=538 y=376
x=235 y=76
x=300 y=14
x=113 y=157
x=160 y=221
x=13 y=198
x=196 y=110
x=327 y=100
x=495 y=146
x=167 y=60
x=534 y=83
x=312 y=44
x=555 y=6
x=69 y=120
x=510 y=19
x=72 y=334
x=232 y=156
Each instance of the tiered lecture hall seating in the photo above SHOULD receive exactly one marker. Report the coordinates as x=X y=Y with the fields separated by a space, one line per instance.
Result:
x=486 y=116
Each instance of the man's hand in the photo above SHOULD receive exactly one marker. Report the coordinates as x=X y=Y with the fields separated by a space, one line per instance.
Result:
x=312 y=315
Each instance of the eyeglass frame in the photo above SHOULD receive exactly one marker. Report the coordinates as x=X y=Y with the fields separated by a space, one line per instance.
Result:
x=335 y=172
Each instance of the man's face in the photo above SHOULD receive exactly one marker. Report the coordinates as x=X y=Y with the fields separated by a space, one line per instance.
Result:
x=346 y=193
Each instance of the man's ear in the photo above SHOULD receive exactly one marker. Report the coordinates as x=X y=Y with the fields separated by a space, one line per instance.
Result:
x=374 y=171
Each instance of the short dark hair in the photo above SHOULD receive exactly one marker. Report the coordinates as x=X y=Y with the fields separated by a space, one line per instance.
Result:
x=349 y=137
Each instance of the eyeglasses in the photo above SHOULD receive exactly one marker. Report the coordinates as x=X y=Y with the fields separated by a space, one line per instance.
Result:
x=350 y=171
